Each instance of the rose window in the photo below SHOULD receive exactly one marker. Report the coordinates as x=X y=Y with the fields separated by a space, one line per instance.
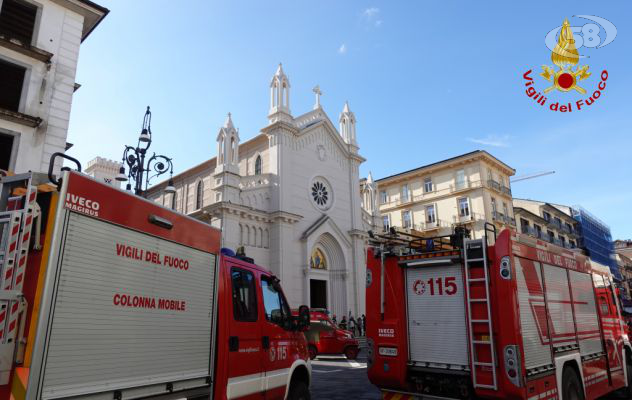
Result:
x=320 y=194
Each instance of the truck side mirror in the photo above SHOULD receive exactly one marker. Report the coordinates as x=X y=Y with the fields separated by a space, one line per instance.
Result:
x=303 y=318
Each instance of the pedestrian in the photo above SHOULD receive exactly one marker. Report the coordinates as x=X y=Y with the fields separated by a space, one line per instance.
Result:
x=363 y=324
x=343 y=322
x=334 y=320
x=352 y=325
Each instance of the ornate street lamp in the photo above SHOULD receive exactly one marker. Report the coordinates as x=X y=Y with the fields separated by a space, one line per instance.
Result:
x=142 y=173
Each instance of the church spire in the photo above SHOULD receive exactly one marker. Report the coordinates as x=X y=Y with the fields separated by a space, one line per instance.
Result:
x=347 y=125
x=228 y=145
x=279 y=97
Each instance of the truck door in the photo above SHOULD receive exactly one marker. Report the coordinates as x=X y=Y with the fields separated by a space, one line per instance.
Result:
x=278 y=338
x=245 y=368
x=611 y=328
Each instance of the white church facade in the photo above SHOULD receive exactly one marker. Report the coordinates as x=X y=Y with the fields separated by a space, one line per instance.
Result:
x=291 y=196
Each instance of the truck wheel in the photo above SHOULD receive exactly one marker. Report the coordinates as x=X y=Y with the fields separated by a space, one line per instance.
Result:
x=571 y=388
x=313 y=352
x=299 y=391
x=351 y=352
x=626 y=392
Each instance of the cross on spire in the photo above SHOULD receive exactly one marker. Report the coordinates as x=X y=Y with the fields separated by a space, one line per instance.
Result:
x=318 y=93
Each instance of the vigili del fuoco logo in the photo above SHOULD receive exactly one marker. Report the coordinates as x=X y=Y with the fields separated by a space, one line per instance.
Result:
x=568 y=74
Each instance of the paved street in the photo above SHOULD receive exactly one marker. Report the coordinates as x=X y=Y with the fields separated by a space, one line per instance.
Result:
x=338 y=378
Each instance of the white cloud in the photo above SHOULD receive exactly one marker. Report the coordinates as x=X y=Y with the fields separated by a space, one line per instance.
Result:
x=371 y=15
x=492 y=140
x=342 y=49
x=371 y=12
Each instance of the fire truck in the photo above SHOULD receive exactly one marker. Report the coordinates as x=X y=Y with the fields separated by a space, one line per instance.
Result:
x=455 y=317
x=105 y=295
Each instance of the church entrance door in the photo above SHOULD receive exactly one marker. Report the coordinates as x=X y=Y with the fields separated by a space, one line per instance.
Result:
x=318 y=293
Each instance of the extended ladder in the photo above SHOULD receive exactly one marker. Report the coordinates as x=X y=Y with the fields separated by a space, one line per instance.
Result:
x=481 y=336
x=18 y=207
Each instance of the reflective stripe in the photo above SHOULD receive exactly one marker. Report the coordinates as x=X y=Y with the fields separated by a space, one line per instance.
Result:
x=248 y=384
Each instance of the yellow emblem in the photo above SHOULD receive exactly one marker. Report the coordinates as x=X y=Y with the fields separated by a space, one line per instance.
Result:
x=565 y=56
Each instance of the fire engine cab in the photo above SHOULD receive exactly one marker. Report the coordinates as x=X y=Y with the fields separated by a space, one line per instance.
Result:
x=454 y=317
x=105 y=295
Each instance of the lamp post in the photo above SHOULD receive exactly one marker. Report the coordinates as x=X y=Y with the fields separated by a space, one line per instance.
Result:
x=142 y=173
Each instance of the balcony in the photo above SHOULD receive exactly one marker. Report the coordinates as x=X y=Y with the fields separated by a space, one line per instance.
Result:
x=555 y=224
x=505 y=190
x=254 y=181
x=428 y=226
x=528 y=230
x=493 y=184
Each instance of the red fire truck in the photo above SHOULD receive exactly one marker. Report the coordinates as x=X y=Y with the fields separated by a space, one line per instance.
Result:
x=454 y=317
x=325 y=338
x=105 y=295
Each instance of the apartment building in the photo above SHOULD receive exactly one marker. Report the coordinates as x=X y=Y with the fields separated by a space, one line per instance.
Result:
x=466 y=190
x=39 y=50
x=546 y=221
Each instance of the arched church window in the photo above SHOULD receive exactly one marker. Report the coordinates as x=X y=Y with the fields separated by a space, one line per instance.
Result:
x=258 y=165
x=174 y=201
x=318 y=260
x=199 y=195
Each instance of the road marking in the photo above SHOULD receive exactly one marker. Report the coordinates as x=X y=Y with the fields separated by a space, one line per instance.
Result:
x=325 y=371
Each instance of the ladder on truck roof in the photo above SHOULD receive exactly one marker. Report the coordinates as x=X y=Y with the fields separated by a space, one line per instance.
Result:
x=480 y=331
x=18 y=209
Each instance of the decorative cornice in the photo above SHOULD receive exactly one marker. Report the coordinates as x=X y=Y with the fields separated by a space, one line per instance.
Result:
x=19 y=118
x=22 y=48
x=358 y=233
x=279 y=125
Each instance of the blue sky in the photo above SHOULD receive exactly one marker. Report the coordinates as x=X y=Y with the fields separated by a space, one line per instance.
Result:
x=426 y=80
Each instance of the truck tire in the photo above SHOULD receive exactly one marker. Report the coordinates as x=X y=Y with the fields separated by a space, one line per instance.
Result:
x=571 y=387
x=299 y=391
x=313 y=352
x=626 y=392
x=351 y=352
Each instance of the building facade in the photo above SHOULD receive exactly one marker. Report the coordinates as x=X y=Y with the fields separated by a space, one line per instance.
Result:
x=570 y=227
x=467 y=190
x=104 y=170
x=547 y=222
x=291 y=196
x=595 y=239
x=39 y=49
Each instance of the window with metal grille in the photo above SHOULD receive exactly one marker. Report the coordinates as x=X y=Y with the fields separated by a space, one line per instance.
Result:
x=17 y=20
x=11 y=82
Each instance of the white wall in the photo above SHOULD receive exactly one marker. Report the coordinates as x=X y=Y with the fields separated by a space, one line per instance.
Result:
x=48 y=92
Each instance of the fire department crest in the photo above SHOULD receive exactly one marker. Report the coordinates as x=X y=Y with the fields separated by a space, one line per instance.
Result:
x=565 y=56
x=419 y=287
x=567 y=74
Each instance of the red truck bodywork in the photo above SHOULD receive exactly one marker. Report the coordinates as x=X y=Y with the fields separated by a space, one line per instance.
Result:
x=262 y=356
x=554 y=319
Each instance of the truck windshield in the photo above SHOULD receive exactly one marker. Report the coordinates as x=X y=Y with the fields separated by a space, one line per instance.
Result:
x=273 y=301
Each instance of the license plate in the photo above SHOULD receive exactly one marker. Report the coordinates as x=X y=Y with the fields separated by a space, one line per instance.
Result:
x=388 y=351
